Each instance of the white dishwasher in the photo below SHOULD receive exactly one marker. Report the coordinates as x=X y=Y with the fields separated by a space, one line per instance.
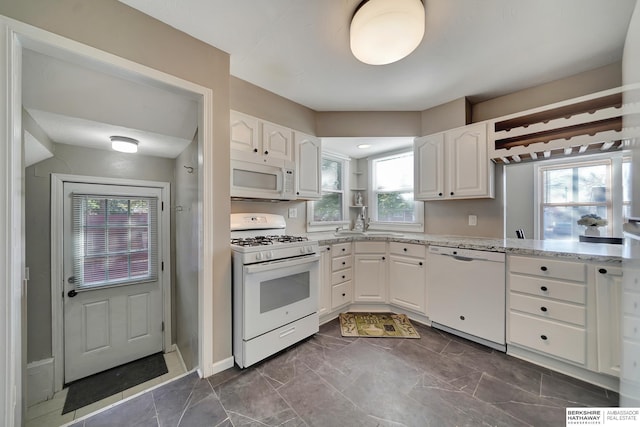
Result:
x=466 y=294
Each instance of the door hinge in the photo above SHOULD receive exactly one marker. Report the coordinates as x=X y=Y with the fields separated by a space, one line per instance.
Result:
x=162 y=326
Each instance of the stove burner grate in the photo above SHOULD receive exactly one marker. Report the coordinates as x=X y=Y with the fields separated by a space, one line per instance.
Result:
x=267 y=240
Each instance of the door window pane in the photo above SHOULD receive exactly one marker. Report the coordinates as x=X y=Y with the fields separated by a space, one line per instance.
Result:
x=114 y=240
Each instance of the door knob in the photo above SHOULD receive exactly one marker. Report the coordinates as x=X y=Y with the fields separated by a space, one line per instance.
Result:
x=72 y=293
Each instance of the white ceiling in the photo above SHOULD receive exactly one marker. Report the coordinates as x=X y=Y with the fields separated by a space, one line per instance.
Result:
x=79 y=105
x=479 y=49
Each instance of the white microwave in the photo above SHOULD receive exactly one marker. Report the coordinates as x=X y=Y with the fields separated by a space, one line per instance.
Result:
x=263 y=181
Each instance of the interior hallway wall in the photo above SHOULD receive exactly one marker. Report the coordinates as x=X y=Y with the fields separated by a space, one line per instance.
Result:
x=120 y=30
x=71 y=160
x=185 y=291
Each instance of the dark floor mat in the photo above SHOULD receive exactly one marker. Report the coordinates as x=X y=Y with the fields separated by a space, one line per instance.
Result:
x=96 y=387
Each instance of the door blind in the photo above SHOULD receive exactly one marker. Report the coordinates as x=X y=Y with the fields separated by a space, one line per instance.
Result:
x=114 y=241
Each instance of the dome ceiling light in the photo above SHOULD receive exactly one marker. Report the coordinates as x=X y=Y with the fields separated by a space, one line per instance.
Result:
x=124 y=144
x=385 y=31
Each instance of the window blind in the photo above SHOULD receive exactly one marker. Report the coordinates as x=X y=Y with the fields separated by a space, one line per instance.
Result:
x=114 y=240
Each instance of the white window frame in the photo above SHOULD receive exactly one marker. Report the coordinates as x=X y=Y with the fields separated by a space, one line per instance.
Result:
x=315 y=226
x=614 y=204
x=414 y=227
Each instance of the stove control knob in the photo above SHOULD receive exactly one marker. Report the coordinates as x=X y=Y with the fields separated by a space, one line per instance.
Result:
x=310 y=249
x=259 y=256
x=269 y=255
x=302 y=249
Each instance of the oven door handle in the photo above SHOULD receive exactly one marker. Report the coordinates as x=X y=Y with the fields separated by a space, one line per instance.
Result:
x=273 y=265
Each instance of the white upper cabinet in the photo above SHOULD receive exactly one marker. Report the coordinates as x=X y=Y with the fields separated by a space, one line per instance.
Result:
x=277 y=141
x=308 y=156
x=428 y=158
x=454 y=165
x=245 y=134
x=259 y=141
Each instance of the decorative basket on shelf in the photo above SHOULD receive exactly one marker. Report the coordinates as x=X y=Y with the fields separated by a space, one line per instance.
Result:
x=591 y=222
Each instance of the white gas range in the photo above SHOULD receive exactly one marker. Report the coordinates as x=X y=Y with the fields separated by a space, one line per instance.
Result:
x=275 y=287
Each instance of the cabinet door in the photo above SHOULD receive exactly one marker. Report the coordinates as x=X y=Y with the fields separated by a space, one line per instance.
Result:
x=370 y=277
x=245 y=136
x=468 y=170
x=608 y=299
x=407 y=283
x=277 y=141
x=428 y=169
x=308 y=174
x=324 y=290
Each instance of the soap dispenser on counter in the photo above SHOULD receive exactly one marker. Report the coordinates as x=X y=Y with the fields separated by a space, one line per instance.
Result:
x=359 y=224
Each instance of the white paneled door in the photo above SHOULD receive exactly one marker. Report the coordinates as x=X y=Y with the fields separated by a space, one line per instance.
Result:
x=113 y=300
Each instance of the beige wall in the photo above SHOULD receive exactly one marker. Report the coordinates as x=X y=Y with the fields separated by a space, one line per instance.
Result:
x=118 y=29
x=255 y=101
x=367 y=123
x=446 y=116
x=602 y=78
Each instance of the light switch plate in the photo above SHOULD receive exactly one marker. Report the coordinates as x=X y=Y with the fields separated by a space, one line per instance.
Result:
x=293 y=212
x=473 y=220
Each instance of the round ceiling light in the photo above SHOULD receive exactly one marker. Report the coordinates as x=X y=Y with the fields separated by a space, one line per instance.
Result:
x=124 y=144
x=385 y=31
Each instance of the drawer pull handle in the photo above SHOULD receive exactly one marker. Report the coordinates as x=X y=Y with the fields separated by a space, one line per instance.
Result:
x=383 y=258
x=420 y=263
x=602 y=271
x=543 y=337
x=328 y=248
x=543 y=309
x=344 y=249
x=404 y=249
x=344 y=263
x=343 y=276
x=255 y=150
x=289 y=332
x=344 y=294
x=543 y=268
x=439 y=194
x=543 y=288
x=461 y=317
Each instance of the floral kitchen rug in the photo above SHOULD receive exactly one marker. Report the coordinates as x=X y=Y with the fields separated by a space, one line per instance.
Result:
x=379 y=325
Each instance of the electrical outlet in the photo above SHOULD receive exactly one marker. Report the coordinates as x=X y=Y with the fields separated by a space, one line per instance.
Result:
x=473 y=220
x=293 y=212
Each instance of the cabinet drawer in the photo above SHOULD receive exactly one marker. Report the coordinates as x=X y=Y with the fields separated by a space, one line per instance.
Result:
x=341 y=294
x=338 y=263
x=371 y=247
x=567 y=342
x=408 y=249
x=572 y=292
x=341 y=249
x=544 y=267
x=548 y=309
x=341 y=276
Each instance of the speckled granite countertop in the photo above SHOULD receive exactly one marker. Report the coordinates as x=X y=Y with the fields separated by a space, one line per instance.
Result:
x=597 y=252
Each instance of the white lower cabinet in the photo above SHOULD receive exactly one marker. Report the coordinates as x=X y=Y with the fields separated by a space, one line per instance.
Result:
x=370 y=264
x=407 y=276
x=608 y=299
x=339 y=275
x=547 y=307
x=324 y=290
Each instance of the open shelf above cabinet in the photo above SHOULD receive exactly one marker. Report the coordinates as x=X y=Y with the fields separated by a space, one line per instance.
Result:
x=581 y=125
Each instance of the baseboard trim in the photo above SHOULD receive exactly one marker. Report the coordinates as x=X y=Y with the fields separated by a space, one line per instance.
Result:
x=222 y=365
x=39 y=381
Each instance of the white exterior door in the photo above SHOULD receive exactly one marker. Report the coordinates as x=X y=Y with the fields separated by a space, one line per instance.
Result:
x=113 y=299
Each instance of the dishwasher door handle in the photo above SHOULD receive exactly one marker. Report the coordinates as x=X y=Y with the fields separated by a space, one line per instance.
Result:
x=462 y=258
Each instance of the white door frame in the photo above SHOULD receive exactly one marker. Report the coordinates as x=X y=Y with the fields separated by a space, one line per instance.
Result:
x=14 y=36
x=57 y=251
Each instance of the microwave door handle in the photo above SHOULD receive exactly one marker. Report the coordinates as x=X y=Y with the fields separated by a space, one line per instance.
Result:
x=267 y=266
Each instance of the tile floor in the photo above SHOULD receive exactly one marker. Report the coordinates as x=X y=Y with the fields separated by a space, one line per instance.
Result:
x=438 y=380
x=48 y=414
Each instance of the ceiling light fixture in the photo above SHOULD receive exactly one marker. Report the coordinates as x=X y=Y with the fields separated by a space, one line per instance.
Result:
x=124 y=144
x=385 y=31
x=364 y=146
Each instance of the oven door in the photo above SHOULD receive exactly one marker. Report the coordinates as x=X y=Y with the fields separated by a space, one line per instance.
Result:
x=279 y=292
